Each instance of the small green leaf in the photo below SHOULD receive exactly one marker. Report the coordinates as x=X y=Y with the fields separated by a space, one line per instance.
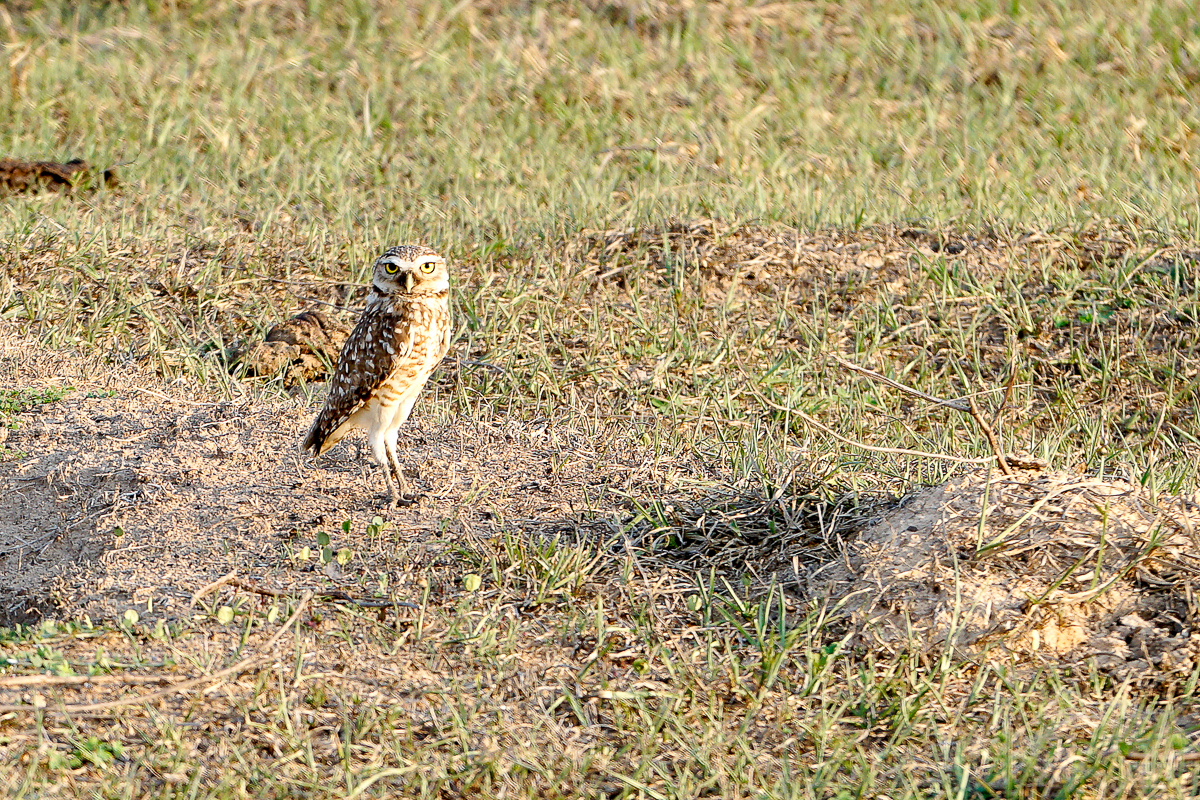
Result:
x=130 y=617
x=472 y=582
x=694 y=602
x=344 y=555
x=224 y=615
x=346 y=526
x=272 y=613
x=326 y=555
x=305 y=554
x=323 y=539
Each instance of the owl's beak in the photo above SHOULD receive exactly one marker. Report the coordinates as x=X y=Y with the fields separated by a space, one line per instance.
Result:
x=408 y=281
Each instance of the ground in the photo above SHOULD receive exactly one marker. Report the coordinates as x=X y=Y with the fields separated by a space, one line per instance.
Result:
x=137 y=499
x=593 y=568
x=127 y=500
x=820 y=420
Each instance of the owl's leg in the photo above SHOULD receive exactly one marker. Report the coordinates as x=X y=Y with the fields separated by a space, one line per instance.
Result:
x=387 y=478
x=394 y=463
x=379 y=448
x=393 y=435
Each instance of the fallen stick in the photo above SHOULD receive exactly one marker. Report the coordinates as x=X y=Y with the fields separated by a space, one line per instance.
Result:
x=330 y=595
x=18 y=681
x=971 y=407
x=899 y=451
x=957 y=405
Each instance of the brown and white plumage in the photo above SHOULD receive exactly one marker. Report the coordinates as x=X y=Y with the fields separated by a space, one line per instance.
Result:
x=403 y=333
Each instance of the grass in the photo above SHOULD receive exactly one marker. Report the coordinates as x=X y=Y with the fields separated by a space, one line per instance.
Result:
x=454 y=708
x=665 y=216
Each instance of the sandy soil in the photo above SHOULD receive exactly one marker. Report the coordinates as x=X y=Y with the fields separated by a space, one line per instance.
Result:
x=130 y=494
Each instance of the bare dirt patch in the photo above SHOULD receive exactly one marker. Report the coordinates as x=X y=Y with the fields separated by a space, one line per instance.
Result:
x=127 y=494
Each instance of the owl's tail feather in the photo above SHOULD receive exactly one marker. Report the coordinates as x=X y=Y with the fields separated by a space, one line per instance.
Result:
x=315 y=440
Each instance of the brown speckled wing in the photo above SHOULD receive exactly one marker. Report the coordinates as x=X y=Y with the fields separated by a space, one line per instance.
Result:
x=441 y=331
x=381 y=343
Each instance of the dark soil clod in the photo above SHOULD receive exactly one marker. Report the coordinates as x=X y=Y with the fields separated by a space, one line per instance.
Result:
x=303 y=346
x=29 y=177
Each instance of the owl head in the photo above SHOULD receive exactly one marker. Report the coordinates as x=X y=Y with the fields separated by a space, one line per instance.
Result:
x=410 y=269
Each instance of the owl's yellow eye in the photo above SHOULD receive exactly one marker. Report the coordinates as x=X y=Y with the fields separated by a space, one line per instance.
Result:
x=390 y=268
x=427 y=267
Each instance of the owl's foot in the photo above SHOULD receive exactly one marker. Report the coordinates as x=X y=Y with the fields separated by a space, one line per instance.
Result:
x=400 y=501
x=401 y=495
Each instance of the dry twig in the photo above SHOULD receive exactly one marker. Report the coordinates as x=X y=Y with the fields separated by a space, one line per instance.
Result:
x=971 y=408
x=20 y=681
x=993 y=440
x=899 y=451
x=957 y=405
x=212 y=587
x=330 y=595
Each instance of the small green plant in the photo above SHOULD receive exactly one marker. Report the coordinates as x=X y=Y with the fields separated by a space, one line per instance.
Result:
x=325 y=550
x=50 y=660
x=14 y=401
x=764 y=624
x=97 y=752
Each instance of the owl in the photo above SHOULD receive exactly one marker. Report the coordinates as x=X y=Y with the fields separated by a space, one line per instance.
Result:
x=403 y=333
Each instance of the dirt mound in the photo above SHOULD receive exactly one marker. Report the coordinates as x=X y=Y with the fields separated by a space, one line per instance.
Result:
x=1047 y=566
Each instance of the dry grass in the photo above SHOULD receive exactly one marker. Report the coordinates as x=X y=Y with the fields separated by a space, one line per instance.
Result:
x=666 y=222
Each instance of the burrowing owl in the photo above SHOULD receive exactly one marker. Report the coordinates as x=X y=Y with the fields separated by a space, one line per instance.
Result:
x=402 y=335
